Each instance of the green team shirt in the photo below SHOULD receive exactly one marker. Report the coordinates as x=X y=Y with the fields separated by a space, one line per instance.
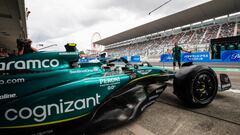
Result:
x=177 y=52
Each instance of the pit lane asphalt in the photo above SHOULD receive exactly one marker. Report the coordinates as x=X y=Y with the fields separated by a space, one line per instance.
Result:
x=168 y=116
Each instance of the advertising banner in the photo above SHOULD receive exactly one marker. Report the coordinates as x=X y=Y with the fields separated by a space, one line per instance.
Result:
x=196 y=57
x=226 y=56
x=83 y=60
x=230 y=56
x=126 y=57
x=188 y=57
x=166 y=58
x=135 y=58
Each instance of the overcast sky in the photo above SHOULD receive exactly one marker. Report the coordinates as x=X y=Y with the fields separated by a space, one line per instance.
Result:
x=63 y=21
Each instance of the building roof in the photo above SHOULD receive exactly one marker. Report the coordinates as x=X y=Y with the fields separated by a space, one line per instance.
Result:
x=208 y=10
x=12 y=22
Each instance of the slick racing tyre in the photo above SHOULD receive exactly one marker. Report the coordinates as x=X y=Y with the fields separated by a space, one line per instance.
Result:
x=146 y=64
x=195 y=85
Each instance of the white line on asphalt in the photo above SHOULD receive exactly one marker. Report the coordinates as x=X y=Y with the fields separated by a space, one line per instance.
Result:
x=139 y=130
x=227 y=69
x=176 y=129
x=234 y=91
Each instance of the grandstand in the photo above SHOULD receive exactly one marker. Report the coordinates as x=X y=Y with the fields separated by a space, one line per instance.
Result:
x=223 y=20
x=197 y=39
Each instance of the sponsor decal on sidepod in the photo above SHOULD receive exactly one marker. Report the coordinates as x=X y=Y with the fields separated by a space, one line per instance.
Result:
x=41 y=112
x=144 y=72
x=109 y=81
x=8 y=96
x=28 y=64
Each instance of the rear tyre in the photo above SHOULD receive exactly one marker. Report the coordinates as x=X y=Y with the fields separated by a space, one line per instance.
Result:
x=196 y=85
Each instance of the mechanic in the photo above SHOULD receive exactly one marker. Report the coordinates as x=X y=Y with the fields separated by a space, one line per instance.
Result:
x=176 y=53
x=24 y=46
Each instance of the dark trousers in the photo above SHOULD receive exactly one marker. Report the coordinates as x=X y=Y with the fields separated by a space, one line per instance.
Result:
x=177 y=60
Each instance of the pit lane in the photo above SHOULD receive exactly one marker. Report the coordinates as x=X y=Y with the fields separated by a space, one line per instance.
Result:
x=168 y=116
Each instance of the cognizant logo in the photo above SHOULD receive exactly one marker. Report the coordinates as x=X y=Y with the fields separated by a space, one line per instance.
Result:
x=28 y=64
x=41 y=112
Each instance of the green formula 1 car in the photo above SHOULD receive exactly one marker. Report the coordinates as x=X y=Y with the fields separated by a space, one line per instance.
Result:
x=52 y=93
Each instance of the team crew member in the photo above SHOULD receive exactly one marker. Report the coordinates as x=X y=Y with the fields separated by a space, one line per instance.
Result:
x=177 y=55
x=24 y=47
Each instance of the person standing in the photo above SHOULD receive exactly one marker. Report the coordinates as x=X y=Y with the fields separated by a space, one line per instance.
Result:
x=176 y=53
x=24 y=46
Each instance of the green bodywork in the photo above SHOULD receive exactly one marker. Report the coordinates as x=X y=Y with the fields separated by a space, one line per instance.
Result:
x=47 y=90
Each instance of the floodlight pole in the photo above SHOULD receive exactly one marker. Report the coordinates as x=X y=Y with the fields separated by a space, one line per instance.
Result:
x=159 y=7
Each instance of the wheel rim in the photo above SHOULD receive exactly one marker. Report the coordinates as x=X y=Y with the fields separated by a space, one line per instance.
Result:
x=203 y=87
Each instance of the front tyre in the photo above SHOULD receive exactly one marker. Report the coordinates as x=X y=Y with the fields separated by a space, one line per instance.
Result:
x=195 y=85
